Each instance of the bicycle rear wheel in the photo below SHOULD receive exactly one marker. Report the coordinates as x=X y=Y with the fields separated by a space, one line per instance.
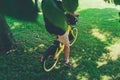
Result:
x=73 y=36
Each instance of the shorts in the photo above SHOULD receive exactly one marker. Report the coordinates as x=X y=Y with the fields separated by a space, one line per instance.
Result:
x=62 y=36
x=52 y=29
x=64 y=39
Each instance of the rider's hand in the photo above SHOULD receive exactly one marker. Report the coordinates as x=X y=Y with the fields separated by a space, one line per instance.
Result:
x=71 y=19
x=76 y=14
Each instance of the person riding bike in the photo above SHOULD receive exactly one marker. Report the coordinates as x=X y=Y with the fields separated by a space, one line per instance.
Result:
x=56 y=15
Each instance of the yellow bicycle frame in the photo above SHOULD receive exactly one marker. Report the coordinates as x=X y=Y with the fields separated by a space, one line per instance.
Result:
x=61 y=45
x=69 y=29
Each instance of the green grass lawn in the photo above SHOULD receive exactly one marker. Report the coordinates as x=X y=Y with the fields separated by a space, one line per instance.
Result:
x=95 y=55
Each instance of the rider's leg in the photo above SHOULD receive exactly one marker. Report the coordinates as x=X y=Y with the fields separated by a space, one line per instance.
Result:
x=67 y=53
x=65 y=40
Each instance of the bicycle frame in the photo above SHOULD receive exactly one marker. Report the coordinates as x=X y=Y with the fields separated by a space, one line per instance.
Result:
x=58 y=53
x=61 y=45
x=69 y=29
x=59 y=50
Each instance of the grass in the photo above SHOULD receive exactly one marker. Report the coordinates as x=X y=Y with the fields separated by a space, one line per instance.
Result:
x=95 y=55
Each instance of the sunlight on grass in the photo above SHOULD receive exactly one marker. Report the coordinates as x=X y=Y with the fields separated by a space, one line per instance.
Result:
x=73 y=61
x=106 y=77
x=102 y=36
x=114 y=53
x=15 y=24
x=35 y=48
x=70 y=74
x=29 y=50
x=114 y=50
x=41 y=45
x=85 y=4
x=114 y=18
x=80 y=77
x=102 y=60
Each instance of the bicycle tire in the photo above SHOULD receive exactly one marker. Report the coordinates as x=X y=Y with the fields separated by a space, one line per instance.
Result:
x=49 y=62
x=73 y=36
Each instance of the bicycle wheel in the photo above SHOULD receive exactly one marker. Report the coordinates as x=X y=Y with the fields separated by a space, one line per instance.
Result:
x=73 y=36
x=49 y=61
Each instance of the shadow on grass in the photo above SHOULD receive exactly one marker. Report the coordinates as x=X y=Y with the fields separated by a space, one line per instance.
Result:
x=111 y=69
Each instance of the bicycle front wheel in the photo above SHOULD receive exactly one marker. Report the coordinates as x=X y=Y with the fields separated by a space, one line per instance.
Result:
x=49 y=63
x=73 y=36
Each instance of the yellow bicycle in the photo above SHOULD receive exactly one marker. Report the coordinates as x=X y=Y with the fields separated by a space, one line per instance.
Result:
x=51 y=55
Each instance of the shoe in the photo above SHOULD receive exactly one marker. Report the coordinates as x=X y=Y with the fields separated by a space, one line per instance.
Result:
x=67 y=65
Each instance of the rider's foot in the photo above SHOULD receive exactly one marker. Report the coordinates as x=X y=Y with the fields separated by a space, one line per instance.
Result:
x=67 y=65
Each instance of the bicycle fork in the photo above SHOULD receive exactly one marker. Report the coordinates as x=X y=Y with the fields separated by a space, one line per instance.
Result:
x=59 y=50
